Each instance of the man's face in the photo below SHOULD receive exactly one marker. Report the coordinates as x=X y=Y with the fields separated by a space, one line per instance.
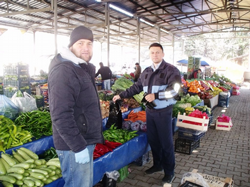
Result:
x=83 y=49
x=156 y=54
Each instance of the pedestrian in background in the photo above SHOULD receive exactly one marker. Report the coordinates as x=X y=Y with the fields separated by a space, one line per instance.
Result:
x=137 y=71
x=162 y=82
x=194 y=74
x=75 y=108
x=106 y=75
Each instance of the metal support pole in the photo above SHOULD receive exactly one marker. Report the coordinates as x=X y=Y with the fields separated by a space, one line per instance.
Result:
x=107 y=21
x=173 y=48
x=139 y=40
x=55 y=24
x=34 y=43
x=159 y=35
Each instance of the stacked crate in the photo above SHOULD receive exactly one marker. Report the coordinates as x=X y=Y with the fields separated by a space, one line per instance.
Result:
x=189 y=134
x=16 y=77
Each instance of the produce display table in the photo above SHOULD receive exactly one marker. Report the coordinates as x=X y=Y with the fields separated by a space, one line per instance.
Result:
x=120 y=157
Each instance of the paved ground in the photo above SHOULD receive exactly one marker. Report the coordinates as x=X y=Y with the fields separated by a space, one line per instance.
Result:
x=221 y=153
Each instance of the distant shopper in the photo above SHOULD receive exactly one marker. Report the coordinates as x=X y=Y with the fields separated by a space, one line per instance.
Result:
x=106 y=75
x=194 y=74
x=137 y=71
x=75 y=108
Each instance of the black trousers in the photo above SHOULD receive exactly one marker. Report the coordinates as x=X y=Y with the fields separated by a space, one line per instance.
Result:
x=160 y=138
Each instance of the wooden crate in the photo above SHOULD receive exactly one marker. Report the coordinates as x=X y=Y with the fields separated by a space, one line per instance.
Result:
x=227 y=125
x=204 y=122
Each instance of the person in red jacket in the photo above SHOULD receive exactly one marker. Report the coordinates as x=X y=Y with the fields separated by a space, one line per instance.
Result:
x=194 y=74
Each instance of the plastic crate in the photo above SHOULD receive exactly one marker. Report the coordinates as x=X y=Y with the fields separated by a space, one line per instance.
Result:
x=186 y=146
x=190 y=184
x=123 y=173
x=190 y=136
x=211 y=118
x=223 y=101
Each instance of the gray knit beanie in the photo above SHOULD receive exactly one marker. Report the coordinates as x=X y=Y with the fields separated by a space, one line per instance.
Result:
x=78 y=33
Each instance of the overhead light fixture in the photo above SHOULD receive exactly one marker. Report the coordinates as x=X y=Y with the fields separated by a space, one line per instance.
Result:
x=164 y=31
x=144 y=21
x=98 y=1
x=121 y=10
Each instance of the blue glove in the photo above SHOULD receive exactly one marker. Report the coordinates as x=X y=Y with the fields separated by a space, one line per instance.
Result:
x=82 y=157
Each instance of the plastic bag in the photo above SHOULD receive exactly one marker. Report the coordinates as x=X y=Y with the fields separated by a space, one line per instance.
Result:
x=8 y=108
x=26 y=103
x=195 y=178
x=115 y=115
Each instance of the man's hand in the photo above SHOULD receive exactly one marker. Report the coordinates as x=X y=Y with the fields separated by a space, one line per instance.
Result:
x=82 y=157
x=116 y=97
x=150 y=97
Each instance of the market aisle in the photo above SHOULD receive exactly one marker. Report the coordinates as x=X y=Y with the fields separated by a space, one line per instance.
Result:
x=221 y=153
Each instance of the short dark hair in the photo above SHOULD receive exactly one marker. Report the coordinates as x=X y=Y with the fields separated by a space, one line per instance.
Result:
x=156 y=45
x=136 y=63
x=199 y=69
x=101 y=64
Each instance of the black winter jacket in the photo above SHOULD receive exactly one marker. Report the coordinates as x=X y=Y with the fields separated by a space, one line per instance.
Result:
x=74 y=105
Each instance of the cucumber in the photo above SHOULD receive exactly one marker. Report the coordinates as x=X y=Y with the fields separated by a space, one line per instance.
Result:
x=48 y=181
x=36 y=181
x=7 y=184
x=28 y=182
x=17 y=156
x=30 y=153
x=16 y=170
x=23 y=165
x=38 y=162
x=40 y=171
x=24 y=154
x=37 y=175
x=16 y=175
x=8 y=159
x=53 y=177
x=26 y=174
x=54 y=163
x=19 y=182
x=2 y=168
x=58 y=171
x=43 y=161
x=7 y=178
x=53 y=167
x=6 y=165
x=32 y=165
x=31 y=161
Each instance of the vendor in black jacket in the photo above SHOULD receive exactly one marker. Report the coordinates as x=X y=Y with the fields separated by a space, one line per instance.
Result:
x=75 y=109
x=161 y=81
x=106 y=74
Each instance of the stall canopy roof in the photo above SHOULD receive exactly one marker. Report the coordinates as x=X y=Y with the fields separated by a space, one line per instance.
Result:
x=178 y=18
x=184 y=61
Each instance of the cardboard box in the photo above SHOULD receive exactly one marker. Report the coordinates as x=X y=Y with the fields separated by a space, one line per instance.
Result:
x=212 y=102
x=223 y=125
x=202 y=127
x=214 y=181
